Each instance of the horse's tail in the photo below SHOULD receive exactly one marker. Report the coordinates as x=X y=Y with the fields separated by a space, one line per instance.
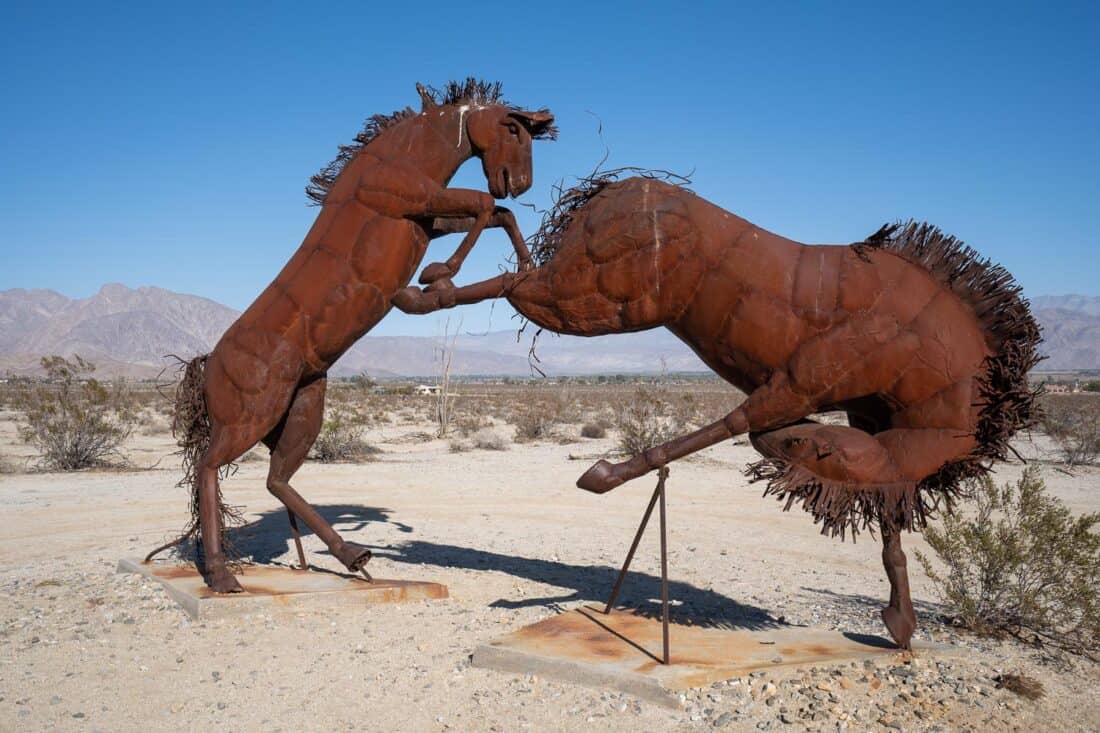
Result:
x=1009 y=403
x=191 y=429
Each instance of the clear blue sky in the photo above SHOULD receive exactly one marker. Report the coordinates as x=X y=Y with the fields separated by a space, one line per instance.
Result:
x=136 y=142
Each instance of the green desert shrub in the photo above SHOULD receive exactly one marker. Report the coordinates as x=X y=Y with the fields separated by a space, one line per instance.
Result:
x=1023 y=565
x=73 y=420
x=341 y=437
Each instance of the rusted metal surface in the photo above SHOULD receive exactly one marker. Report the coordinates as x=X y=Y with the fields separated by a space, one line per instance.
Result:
x=266 y=586
x=382 y=200
x=622 y=650
x=922 y=343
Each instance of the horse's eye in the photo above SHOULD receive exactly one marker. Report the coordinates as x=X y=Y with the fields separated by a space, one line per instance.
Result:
x=514 y=129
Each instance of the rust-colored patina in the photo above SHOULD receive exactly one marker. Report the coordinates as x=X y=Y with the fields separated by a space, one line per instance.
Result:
x=924 y=345
x=382 y=200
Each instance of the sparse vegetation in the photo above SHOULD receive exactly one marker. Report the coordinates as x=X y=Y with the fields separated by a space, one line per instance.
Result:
x=1022 y=566
x=593 y=430
x=1020 y=684
x=341 y=437
x=487 y=439
x=1073 y=422
x=73 y=420
x=644 y=420
x=533 y=423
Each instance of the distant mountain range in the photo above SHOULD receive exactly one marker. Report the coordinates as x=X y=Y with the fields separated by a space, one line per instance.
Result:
x=128 y=331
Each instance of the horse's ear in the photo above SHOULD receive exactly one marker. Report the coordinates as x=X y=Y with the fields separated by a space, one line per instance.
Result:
x=427 y=101
x=538 y=123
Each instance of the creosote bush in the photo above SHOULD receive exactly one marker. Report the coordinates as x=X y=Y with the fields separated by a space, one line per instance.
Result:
x=1023 y=566
x=646 y=419
x=341 y=437
x=73 y=420
x=1073 y=422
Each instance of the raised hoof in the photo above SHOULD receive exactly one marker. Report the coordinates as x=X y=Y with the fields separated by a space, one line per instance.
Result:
x=412 y=300
x=353 y=556
x=599 y=479
x=901 y=628
x=223 y=582
x=435 y=271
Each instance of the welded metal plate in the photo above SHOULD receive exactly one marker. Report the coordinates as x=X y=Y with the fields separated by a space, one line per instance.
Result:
x=268 y=587
x=622 y=650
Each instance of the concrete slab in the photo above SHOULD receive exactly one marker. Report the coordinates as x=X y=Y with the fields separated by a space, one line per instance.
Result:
x=269 y=588
x=622 y=651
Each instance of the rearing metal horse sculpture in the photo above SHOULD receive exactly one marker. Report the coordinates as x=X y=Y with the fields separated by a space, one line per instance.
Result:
x=925 y=347
x=383 y=198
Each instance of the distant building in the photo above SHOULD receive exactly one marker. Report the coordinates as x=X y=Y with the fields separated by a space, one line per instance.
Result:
x=427 y=389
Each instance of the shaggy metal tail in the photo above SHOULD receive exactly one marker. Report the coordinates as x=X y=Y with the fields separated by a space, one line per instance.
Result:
x=191 y=429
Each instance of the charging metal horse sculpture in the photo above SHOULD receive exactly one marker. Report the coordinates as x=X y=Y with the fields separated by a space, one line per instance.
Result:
x=383 y=198
x=925 y=346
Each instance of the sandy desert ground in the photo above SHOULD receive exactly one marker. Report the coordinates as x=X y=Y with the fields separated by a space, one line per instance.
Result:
x=85 y=649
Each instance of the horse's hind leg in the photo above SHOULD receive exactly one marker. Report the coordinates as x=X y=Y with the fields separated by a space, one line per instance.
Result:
x=290 y=442
x=899 y=617
x=226 y=443
x=841 y=474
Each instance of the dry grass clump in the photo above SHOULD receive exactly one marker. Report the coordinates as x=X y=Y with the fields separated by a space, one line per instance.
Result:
x=1023 y=566
x=484 y=439
x=646 y=419
x=593 y=430
x=73 y=420
x=1021 y=684
x=1073 y=422
x=8 y=466
x=532 y=424
x=487 y=439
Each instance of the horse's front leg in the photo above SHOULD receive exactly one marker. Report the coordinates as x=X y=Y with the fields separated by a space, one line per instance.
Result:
x=772 y=404
x=502 y=218
x=466 y=205
x=415 y=300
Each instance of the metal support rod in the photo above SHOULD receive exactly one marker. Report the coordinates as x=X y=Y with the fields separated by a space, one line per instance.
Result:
x=658 y=494
x=664 y=564
x=297 y=539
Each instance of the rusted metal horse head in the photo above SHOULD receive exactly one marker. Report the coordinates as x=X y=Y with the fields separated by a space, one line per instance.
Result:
x=382 y=199
x=924 y=345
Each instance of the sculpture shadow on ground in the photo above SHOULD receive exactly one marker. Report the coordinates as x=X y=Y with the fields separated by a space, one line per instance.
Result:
x=590 y=583
x=268 y=537
x=858 y=601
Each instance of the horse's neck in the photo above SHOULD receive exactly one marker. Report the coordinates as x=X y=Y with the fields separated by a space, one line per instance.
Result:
x=434 y=142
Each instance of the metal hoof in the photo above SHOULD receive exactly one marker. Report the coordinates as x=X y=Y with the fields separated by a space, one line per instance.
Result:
x=435 y=271
x=224 y=582
x=601 y=478
x=353 y=556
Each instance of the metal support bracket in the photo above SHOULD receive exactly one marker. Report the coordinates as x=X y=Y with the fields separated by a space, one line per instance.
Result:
x=658 y=496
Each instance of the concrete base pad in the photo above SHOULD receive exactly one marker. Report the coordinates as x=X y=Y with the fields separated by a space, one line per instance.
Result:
x=622 y=651
x=269 y=588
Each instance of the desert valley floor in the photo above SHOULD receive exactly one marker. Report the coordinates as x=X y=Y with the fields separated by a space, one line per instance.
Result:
x=85 y=649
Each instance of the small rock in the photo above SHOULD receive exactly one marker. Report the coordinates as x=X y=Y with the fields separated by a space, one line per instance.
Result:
x=723 y=720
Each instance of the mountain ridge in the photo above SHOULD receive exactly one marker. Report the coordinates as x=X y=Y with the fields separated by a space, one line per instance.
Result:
x=134 y=332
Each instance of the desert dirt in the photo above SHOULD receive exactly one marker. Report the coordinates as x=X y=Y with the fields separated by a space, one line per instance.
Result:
x=85 y=649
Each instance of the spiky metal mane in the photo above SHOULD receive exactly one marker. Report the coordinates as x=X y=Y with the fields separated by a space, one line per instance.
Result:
x=1008 y=403
x=471 y=91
